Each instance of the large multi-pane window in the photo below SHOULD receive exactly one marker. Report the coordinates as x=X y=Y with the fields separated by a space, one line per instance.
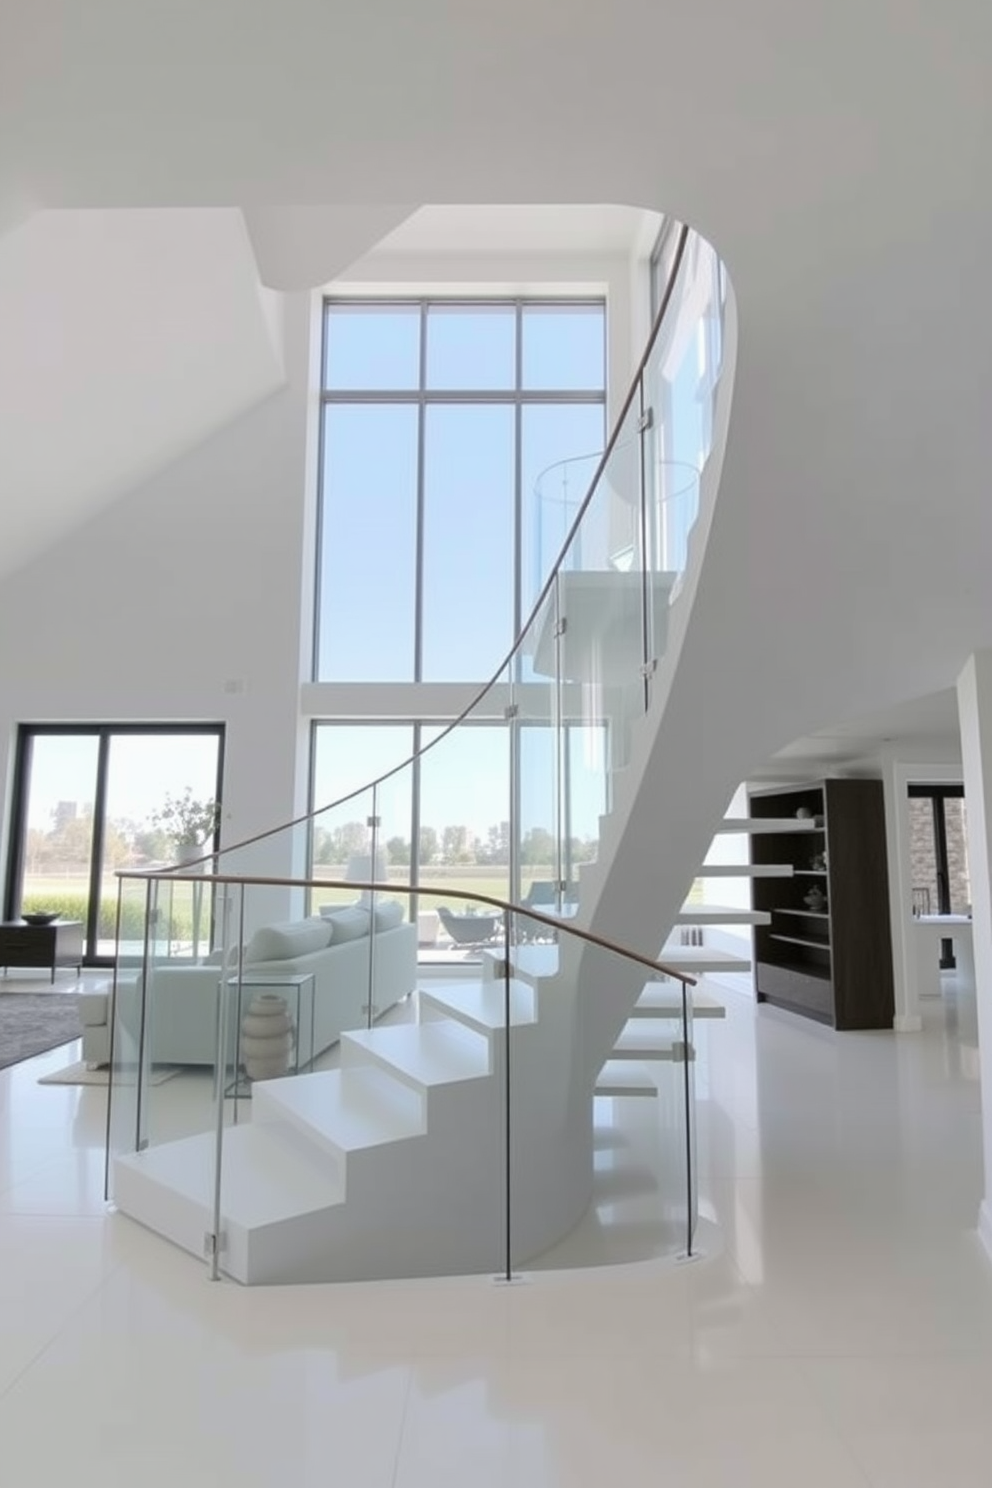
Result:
x=441 y=419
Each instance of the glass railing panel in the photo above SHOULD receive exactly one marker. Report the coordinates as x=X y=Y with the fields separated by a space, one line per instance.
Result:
x=602 y=693
x=564 y=1118
x=669 y=1066
x=346 y=848
x=672 y=510
x=135 y=919
x=536 y=759
x=679 y=389
x=465 y=816
x=164 y=1074
x=689 y=1075
x=458 y=932
x=559 y=492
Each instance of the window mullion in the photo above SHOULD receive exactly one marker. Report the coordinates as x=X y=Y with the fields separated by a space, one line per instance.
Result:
x=418 y=625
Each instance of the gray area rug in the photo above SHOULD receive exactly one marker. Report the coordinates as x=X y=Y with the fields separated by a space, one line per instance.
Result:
x=31 y=1022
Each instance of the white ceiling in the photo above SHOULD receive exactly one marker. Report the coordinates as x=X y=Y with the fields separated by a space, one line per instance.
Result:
x=927 y=723
x=563 y=230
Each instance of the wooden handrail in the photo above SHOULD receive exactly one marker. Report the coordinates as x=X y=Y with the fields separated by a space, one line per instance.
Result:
x=436 y=891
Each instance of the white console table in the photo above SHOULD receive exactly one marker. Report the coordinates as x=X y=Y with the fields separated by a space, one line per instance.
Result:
x=930 y=931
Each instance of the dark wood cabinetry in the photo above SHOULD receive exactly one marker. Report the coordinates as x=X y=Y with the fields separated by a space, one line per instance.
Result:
x=827 y=952
x=51 y=946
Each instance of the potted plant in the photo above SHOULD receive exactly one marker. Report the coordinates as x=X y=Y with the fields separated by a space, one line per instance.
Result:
x=188 y=823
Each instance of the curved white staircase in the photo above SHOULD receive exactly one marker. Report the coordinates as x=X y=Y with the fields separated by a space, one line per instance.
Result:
x=395 y=1163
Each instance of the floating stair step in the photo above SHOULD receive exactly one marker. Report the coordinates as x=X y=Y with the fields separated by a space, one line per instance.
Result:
x=695 y=960
x=342 y=1110
x=758 y=824
x=528 y=962
x=664 y=1000
x=618 y=1078
x=721 y=914
x=648 y=1041
x=421 y=1054
x=482 y=1005
x=745 y=870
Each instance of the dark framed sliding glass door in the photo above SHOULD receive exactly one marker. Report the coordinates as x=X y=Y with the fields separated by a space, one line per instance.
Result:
x=90 y=799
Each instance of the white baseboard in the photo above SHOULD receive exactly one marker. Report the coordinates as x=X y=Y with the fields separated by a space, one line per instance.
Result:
x=907 y=1023
x=985 y=1226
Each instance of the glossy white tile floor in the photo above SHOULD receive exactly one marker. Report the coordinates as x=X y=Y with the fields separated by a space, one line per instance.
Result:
x=840 y=1333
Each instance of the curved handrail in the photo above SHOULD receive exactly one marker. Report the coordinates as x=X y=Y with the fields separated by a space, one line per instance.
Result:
x=554 y=922
x=311 y=815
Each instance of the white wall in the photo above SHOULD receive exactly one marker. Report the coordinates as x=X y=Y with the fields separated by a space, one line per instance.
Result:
x=975 y=709
x=181 y=602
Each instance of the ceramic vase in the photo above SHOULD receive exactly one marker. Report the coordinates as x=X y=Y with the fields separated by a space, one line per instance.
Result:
x=266 y=1037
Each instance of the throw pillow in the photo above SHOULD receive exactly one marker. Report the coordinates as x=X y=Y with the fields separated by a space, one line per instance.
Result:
x=349 y=924
x=286 y=941
x=388 y=914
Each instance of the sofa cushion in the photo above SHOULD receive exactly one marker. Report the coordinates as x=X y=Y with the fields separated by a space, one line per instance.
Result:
x=293 y=938
x=388 y=914
x=350 y=922
x=93 y=1005
x=216 y=958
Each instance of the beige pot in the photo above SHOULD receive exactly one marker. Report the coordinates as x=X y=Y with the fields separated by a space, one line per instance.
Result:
x=266 y=1037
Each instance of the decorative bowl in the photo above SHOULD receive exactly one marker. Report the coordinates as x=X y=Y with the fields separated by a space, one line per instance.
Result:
x=40 y=916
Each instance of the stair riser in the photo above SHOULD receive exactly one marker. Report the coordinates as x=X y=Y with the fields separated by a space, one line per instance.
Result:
x=177 y=1218
x=303 y=1137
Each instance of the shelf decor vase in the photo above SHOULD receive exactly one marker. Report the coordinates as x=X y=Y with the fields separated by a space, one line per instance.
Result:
x=266 y=1037
x=815 y=900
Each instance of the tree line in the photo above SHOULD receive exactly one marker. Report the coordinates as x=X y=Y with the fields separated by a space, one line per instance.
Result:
x=451 y=845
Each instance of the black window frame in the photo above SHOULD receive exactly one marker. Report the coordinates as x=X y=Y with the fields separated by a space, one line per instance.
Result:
x=103 y=732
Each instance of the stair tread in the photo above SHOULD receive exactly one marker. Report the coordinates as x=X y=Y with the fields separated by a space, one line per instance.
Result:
x=483 y=1004
x=660 y=999
x=645 y=1041
x=427 y=1053
x=756 y=824
x=721 y=914
x=745 y=870
x=347 y=1109
x=539 y=959
x=266 y=1176
x=703 y=958
x=620 y=1078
